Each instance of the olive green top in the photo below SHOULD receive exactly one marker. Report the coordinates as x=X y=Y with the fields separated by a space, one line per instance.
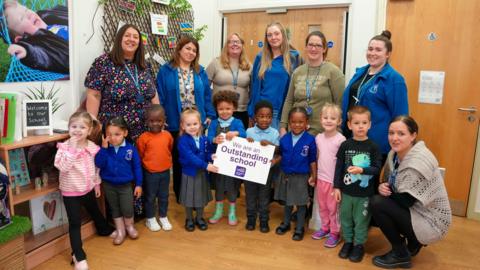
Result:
x=328 y=87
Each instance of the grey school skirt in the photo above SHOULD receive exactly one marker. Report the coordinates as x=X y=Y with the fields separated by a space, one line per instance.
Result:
x=292 y=189
x=195 y=190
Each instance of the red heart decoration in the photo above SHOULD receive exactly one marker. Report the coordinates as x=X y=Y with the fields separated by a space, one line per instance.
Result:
x=49 y=208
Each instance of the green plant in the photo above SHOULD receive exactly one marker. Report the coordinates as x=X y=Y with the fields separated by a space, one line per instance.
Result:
x=179 y=7
x=198 y=33
x=43 y=93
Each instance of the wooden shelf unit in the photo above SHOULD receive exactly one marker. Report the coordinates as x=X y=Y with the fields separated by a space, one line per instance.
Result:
x=28 y=192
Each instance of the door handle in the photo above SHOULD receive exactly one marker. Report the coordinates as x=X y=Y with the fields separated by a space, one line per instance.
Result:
x=470 y=109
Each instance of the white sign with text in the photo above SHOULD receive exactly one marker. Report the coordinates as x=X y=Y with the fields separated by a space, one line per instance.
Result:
x=244 y=160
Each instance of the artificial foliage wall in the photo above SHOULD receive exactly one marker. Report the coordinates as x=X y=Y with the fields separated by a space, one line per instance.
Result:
x=138 y=12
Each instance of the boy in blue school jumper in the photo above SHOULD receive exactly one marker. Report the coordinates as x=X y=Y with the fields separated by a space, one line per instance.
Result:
x=298 y=165
x=226 y=102
x=258 y=195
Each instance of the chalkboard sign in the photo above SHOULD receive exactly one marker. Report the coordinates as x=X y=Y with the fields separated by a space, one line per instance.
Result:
x=37 y=114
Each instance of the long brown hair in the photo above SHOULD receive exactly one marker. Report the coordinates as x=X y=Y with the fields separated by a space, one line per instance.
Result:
x=267 y=53
x=117 y=52
x=243 y=62
x=184 y=40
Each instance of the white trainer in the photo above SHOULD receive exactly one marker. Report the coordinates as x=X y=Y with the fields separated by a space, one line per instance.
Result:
x=165 y=223
x=152 y=224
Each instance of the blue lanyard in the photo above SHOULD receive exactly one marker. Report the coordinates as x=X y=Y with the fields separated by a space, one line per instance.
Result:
x=309 y=86
x=139 y=96
x=134 y=78
x=392 y=178
x=235 y=77
x=186 y=84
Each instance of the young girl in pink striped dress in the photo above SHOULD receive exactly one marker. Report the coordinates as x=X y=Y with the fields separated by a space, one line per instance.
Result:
x=80 y=182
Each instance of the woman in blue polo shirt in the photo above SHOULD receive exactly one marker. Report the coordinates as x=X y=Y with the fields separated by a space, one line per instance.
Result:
x=271 y=72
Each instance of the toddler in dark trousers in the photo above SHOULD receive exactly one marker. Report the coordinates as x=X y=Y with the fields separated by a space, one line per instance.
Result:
x=258 y=195
x=225 y=127
x=155 y=150
x=358 y=166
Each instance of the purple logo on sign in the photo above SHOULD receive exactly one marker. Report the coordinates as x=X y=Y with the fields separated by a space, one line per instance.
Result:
x=240 y=171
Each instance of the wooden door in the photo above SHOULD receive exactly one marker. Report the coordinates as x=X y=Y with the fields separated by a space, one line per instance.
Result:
x=449 y=131
x=251 y=26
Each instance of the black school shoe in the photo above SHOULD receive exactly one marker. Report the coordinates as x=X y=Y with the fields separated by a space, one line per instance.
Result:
x=345 y=250
x=201 y=224
x=189 y=225
x=264 y=228
x=357 y=253
x=250 y=226
x=298 y=235
x=391 y=260
x=282 y=229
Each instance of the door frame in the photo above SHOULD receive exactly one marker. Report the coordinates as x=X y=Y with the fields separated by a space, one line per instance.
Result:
x=473 y=204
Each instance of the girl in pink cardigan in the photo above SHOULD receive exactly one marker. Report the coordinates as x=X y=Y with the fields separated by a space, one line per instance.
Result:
x=80 y=182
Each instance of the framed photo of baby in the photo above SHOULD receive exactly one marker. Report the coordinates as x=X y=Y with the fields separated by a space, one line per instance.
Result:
x=34 y=40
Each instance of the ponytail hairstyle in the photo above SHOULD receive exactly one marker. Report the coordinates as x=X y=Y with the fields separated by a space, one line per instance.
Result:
x=95 y=134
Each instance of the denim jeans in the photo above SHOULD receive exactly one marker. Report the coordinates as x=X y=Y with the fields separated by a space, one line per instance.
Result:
x=156 y=186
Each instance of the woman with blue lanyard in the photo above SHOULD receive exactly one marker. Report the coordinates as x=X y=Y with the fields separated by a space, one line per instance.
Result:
x=120 y=83
x=412 y=207
x=231 y=71
x=378 y=87
x=271 y=72
x=314 y=84
x=183 y=84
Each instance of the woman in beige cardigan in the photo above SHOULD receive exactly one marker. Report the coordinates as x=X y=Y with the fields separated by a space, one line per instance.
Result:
x=412 y=209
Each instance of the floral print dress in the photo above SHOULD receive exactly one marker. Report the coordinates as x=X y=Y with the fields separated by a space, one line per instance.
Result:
x=126 y=91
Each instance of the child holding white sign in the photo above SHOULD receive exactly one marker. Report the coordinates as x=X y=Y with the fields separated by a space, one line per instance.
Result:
x=298 y=169
x=258 y=195
x=225 y=127
x=193 y=156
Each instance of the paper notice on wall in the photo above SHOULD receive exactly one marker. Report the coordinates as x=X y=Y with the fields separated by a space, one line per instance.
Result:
x=159 y=24
x=164 y=2
x=431 y=87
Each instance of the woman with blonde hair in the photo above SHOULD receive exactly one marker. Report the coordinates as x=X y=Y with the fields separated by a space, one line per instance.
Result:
x=231 y=71
x=271 y=71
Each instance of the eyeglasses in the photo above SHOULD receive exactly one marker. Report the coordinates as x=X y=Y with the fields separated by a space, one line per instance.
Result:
x=235 y=42
x=316 y=46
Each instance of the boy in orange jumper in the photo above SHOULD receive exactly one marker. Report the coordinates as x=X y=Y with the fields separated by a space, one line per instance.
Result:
x=155 y=149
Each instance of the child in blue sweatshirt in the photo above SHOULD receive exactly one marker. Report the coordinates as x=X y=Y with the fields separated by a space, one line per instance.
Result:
x=193 y=150
x=225 y=127
x=120 y=164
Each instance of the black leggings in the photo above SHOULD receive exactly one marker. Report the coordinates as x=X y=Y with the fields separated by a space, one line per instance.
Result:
x=394 y=221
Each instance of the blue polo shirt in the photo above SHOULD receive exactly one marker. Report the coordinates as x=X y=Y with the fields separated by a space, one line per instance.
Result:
x=270 y=134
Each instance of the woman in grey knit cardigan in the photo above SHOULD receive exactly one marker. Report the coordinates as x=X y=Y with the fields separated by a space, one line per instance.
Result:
x=412 y=209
